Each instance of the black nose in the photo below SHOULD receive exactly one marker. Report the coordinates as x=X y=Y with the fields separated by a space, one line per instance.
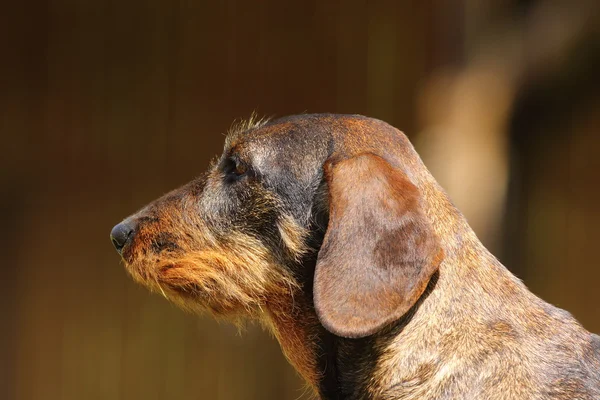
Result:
x=121 y=234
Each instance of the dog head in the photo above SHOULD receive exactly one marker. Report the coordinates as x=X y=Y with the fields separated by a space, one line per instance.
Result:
x=315 y=203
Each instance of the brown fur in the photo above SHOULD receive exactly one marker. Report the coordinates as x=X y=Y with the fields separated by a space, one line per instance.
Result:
x=362 y=258
x=330 y=231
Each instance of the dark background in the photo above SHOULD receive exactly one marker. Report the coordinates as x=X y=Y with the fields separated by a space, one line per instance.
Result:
x=105 y=105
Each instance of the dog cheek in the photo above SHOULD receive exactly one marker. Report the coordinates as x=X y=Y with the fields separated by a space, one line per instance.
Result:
x=293 y=236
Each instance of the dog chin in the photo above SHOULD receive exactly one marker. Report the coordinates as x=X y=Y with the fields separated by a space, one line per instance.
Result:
x=168 y=281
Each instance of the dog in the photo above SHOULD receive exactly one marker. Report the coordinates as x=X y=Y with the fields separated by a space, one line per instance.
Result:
x=330 y=231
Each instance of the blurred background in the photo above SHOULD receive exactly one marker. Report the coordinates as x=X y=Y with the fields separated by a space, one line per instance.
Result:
x=105 y=105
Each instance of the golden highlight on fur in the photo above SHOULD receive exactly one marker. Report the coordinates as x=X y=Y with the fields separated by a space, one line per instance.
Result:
x=242 y=126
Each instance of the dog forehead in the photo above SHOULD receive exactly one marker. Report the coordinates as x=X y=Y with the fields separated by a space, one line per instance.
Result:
x=301 y=144
x=286 y=146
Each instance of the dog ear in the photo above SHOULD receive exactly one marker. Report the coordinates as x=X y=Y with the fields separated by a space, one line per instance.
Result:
x=379 y=251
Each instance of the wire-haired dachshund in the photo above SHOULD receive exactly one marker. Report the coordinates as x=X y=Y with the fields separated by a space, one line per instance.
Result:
x=330 y=231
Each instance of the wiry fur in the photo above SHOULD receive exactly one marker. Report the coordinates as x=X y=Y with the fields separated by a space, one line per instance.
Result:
x=246 y=239
x=242 y=126
x=232 y=275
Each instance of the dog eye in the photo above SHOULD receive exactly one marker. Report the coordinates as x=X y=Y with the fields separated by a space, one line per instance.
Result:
x=235 y=168
x=240 y=168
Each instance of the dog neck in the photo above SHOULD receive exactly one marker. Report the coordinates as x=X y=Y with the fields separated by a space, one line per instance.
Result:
x=336 y=368
x=304 y=341
x=295 y=325
x=310 y=349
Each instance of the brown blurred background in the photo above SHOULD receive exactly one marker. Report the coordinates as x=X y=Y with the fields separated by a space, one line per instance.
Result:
x=105 y=105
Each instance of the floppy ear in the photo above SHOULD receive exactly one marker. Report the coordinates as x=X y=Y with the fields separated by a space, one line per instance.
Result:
x=379 y=251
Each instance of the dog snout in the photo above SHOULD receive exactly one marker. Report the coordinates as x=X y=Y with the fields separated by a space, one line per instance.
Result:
x=122 y=234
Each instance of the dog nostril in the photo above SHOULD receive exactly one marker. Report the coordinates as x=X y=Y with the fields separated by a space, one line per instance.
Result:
x=120 y=235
